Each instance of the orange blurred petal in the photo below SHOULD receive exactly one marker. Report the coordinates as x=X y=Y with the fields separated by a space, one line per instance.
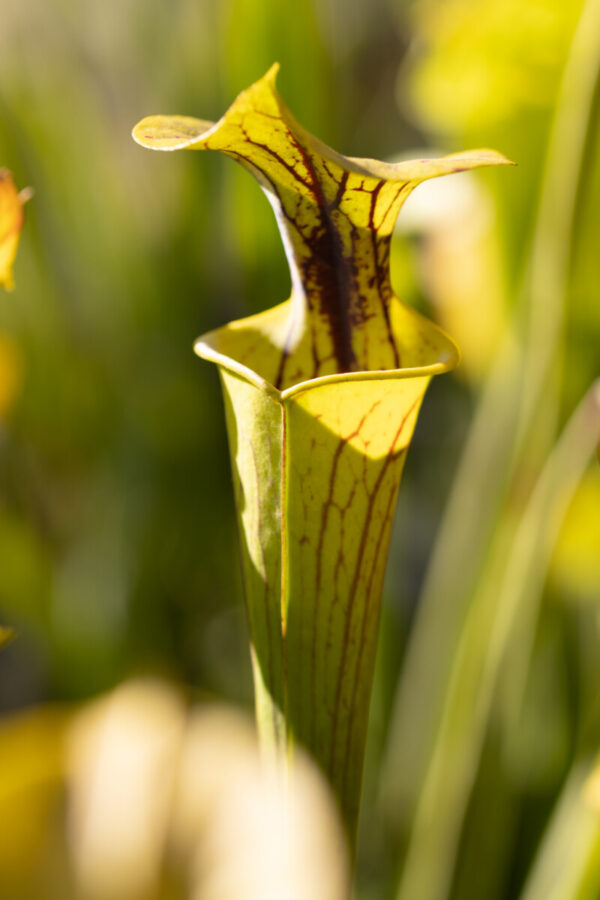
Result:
x=11 y=222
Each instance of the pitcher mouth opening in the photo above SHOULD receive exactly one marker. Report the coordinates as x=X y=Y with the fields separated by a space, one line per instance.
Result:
x=448 y=359
x=261 y=347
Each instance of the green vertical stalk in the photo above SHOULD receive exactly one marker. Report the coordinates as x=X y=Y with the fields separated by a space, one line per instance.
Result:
x=499 y=448
x=510 y=592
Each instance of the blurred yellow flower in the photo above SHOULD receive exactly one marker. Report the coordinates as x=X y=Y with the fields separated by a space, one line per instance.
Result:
x=11 y=222
x=5 y=635
x=11 y=369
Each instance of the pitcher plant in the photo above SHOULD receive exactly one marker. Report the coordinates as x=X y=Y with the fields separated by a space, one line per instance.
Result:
x=322 y=394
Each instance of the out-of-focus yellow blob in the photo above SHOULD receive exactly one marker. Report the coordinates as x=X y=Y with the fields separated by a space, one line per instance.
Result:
x=155 y=788
x=31 y=768
x=480 y=61
x=5 y=635
x=576 y=562
x=121 y=765
x=137 y=797
x=11 y=223
x=249 y=829
x=460 y=265
x=591 y=789
x=11 y=372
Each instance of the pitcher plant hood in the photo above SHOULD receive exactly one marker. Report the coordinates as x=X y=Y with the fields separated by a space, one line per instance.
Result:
x=336 y=215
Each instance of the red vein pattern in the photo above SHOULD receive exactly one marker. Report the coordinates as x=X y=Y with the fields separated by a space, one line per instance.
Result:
x=340 y=497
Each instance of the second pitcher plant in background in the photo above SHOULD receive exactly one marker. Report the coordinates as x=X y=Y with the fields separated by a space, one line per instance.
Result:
x=322 y=394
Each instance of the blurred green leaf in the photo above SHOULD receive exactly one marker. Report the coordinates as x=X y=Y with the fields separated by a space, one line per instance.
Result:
x=487 y=521
x=567 y=864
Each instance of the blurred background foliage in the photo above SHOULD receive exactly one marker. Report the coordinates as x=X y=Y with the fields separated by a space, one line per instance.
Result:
x=118 y=552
